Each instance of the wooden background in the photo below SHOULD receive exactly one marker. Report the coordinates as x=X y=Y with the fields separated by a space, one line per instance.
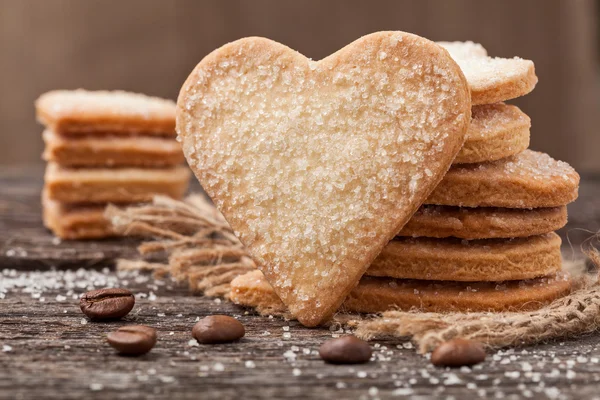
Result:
x=151 y=45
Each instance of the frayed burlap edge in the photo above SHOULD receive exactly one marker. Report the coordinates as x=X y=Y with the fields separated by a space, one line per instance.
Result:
x=201 y=249
x=193 y=237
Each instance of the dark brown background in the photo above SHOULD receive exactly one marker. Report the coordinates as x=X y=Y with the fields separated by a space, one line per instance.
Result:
x=151 y=45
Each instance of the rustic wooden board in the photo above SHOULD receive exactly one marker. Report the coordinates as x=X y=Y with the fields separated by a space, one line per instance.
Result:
x=48 y=350
x=53 y=355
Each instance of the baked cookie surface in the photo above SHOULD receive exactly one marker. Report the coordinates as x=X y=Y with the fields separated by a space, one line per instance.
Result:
x=74 y=223
x=82 y=111
x=383 y=294
x=483 y=222
x=133 y=151
x=373 y=295
x=492 y=80
x=527 y=180
x=496 y=131
x=453 y=259
x=107 y=185
x=362 y=137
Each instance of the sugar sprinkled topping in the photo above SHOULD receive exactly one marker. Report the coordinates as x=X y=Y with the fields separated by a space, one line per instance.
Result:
x=528 y=164
x=71 y=103
x=526 y=180
x=490 y=119
x=482 y=71
x=304 y=158
x=466 y=49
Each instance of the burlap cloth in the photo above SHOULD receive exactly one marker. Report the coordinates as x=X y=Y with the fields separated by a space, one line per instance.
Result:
x=191 y=241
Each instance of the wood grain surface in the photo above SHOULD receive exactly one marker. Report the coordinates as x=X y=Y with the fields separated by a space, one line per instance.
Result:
x=49 y=350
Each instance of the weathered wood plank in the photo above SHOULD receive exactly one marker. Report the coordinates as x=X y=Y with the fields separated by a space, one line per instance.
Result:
x=53 y=355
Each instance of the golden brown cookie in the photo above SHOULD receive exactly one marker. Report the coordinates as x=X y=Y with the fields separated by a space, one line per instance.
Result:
x=492 y=80
x=526 y=180
x=252 y=290
x=75 y=222
x=106 y=185
x=116 y=151
x=483 y=222
x=116 y=112
x=382 y=294
x=374 y=295
x=496 y=131
x=454 y=259
x=317 y=165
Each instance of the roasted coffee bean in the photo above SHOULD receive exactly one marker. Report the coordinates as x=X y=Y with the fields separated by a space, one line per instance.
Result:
x=345 y=350
x=218 y=329
x=133 y=340
x=458 y=353
x=107 y=303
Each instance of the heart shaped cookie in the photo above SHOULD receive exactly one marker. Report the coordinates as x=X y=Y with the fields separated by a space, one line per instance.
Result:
x=317 y=165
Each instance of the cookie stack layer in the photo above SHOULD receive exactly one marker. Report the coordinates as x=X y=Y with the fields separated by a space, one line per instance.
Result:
x=484 y=239
x=489 y=225
x=105 y=147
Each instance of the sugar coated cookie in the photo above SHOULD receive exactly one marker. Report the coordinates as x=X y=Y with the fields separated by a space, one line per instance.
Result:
x=123 y=185
x=82 y=111
x=91 y=151
x=317 y=165
x=492 y=79
x=374 y=295
x=453 y=259
x=496 y=131
x=464 y=50
x=483 y=222
x=526 y=180
x=75 y=222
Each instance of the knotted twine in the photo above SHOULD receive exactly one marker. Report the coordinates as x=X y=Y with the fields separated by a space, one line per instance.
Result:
x=195 y=245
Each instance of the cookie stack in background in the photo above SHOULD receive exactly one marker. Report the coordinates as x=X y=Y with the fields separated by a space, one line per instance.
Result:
x=484 y=240
x=105 y=147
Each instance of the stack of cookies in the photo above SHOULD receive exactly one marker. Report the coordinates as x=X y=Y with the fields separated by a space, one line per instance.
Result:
x=105 y=147
x=387 y=175
x=484 y=239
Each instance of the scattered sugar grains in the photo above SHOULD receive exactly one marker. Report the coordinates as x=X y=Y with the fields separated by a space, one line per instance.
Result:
x=219 y=367
x=380 y=118
x=70 y=283
x=96 y=387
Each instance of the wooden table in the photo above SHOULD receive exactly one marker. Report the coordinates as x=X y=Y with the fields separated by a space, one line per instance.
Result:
x=47 y=348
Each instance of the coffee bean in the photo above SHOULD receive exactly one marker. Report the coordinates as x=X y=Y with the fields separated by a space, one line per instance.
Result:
x=458 y=353
x=218 y=329
x=107 y=303
x=133 y=340
x=345 y=350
